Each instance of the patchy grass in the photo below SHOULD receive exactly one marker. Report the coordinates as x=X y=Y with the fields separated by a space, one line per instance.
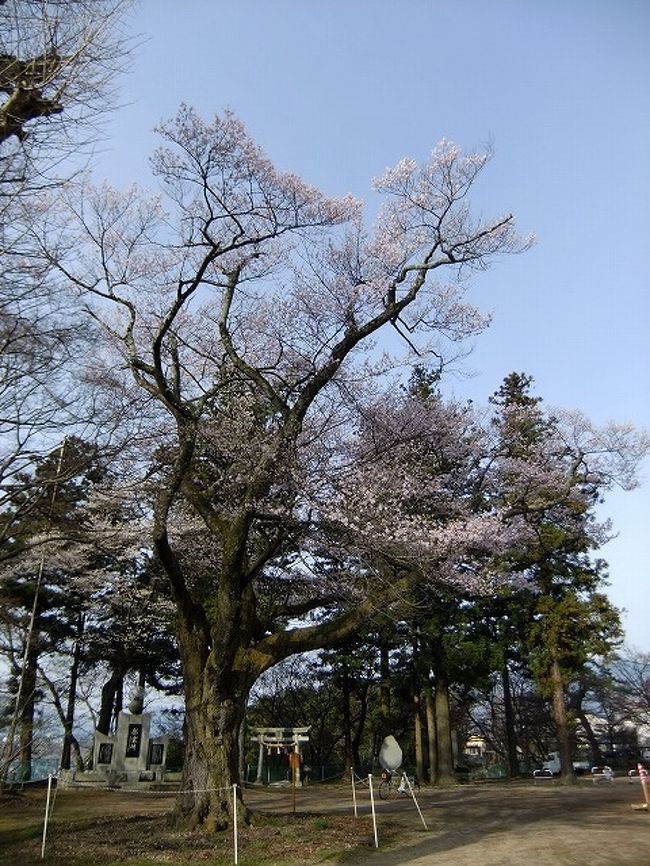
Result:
x=98 y=828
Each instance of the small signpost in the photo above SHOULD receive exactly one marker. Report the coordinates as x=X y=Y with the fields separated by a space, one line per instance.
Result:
x=294 y=763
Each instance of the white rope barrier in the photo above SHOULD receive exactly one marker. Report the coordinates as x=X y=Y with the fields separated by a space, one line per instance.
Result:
x=49 y=805
x=178 y=791
x=113 y=789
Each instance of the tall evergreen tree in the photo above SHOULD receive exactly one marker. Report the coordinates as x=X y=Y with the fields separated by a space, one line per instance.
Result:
x=547 y=479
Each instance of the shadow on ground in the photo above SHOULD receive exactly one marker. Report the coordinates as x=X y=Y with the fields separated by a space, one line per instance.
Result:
x=505 y=824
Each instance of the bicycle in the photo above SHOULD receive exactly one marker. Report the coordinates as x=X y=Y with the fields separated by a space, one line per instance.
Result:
x=388 y=787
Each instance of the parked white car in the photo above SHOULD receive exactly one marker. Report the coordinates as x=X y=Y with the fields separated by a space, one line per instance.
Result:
x=551 y=766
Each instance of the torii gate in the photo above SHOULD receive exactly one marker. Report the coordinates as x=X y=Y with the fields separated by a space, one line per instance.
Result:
x=289 y=739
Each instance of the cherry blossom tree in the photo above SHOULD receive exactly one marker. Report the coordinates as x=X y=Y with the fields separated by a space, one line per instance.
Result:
x=60 y=64
x=506 y=508
x=40 y=583
x=417 y=494
x=77 y=590
x=420 y=500
x=245 y=303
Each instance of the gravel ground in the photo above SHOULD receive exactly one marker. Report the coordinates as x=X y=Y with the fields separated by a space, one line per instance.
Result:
x=501 y=824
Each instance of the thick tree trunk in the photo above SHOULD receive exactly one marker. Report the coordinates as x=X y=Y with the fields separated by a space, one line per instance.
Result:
x=445 y=774
x=384 y=691
x=512 y=763
x=119 y=702
x=417 y=708
x=215 y=703
x=68 y=738
x=594 y=746
x=347 y=723
x=241 y=738
x=576 y=705
x=561 y=719
x=211 y=766
x=26 y=713
x=109 y=692
x=419 y=751
x=362 y=696
x=431 y=734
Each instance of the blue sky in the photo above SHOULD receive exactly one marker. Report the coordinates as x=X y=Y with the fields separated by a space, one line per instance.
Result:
x=336 y=90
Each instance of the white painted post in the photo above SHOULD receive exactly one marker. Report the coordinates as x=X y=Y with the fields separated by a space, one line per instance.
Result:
x=354 y=793
x=234 y=821
x=47 y=814
x=643 y=778
x=372 y=806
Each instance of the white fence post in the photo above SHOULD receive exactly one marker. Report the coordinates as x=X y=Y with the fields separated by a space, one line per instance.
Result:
x=47 y=814
x=372 y=806
x=234 y=821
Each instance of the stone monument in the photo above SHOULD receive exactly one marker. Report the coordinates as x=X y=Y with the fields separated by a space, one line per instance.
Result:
x=130 y=755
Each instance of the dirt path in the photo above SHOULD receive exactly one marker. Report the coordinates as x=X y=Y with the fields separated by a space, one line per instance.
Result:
x=501 y=825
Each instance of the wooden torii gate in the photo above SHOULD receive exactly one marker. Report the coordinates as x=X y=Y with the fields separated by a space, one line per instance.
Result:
x=287 y=740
